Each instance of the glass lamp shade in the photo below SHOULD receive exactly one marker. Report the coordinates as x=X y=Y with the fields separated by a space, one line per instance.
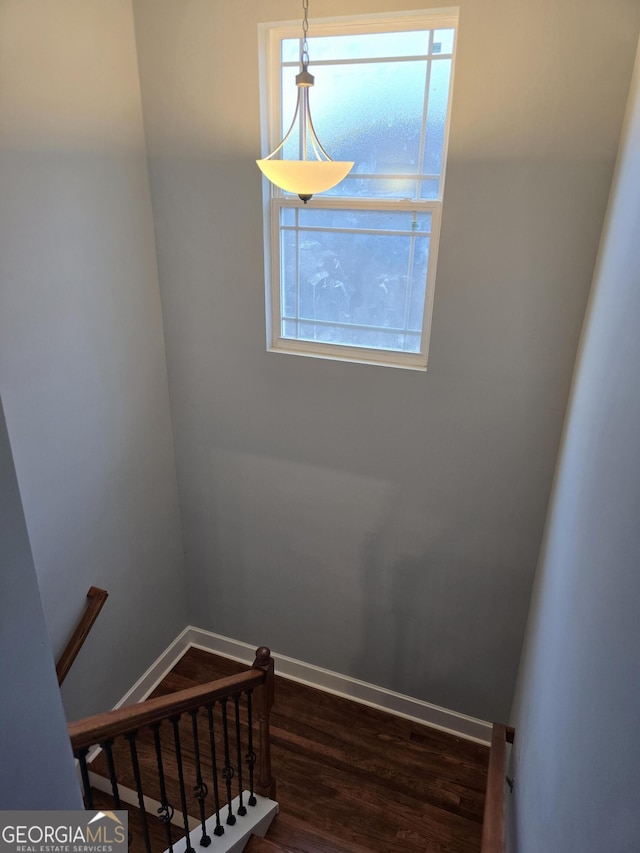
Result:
x=305 y=177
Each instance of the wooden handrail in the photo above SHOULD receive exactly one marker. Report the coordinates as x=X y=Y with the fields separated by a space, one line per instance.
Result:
x=493 y=823
x=96 y=599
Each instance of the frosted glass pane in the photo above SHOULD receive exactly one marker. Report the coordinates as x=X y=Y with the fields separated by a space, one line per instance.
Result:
x=355 y=187
x=429 y=190
x=288 y=216
x=289 y=97
x=367 y=338
x=375 y=119
x=351 y=278
x=443 y=41
x=369 y=46
x=288 y=281
x=417 y=291
x=371 y=114
x=290 y=50
x=356 y=289
x=436 y=115
x=369 y=219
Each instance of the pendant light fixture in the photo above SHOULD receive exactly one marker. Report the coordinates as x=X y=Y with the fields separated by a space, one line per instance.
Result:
x=304 y=177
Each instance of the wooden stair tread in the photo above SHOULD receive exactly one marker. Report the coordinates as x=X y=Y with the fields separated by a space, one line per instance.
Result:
x=263 y=845
x=295 y=835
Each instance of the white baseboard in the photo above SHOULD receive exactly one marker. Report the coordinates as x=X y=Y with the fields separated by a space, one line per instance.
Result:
x=417 y=710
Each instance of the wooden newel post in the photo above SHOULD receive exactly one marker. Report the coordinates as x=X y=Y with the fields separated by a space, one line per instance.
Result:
x=266 y=784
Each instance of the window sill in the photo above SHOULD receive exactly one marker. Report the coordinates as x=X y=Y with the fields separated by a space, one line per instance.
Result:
x=353 y=355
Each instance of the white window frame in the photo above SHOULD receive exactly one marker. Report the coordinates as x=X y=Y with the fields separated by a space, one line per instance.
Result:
x=274 y=199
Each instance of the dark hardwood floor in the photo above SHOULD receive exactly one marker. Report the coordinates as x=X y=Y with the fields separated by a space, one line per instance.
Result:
x=351 y=779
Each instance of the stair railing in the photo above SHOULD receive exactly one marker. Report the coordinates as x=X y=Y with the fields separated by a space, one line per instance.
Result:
x=96 y=598
x=493 y=823
x=212 y=724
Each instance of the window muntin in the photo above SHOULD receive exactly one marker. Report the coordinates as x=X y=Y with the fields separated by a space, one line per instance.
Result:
x=352 y=273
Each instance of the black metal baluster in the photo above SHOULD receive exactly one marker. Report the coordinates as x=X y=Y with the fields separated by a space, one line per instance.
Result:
x=115 y=790
x=219 y=830
x=166 y=811
x=251 y=756
x=242 y=809
x=81 y=755
x=131 y=737
x=228 y=771
x=200 y=789
x=106 y=746
x=183 y=796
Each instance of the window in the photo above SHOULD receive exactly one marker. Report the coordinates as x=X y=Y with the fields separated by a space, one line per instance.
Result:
x=351 y=275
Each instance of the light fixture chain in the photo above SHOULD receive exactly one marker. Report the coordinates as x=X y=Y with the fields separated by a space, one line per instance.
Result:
x=304 y=55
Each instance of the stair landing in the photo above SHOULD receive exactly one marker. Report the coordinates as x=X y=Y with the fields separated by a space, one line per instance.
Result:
x=352 y=779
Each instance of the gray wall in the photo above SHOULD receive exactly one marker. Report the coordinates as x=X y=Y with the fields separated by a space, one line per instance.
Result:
x=36 y=764
x=383 y=523
x=82 y=360
x=577 y=753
